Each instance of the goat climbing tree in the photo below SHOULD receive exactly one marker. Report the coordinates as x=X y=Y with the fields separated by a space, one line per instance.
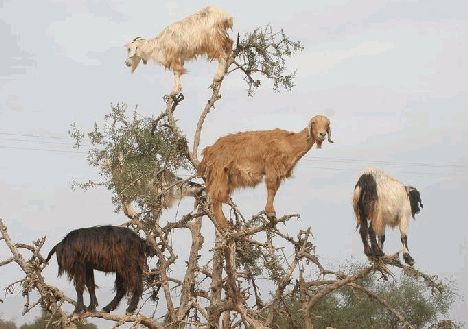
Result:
x=239 y=279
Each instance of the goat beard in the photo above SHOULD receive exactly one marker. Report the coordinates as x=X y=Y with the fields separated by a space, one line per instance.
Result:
x=319 y=144
x=135 y=61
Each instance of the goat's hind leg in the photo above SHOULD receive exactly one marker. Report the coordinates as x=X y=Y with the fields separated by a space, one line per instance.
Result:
x=120 y=291
x=79 y=278
x=220 y=221
x=381 y=240
x=90 y=284
x=364 y=232
x=376 y=250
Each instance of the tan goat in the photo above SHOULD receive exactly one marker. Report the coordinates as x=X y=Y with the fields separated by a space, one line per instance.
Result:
x=243 y=159
x=203 y=33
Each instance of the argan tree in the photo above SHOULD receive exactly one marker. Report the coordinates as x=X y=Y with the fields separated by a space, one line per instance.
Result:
x=244 y=278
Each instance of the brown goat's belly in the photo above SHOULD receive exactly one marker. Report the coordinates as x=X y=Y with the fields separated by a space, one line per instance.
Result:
x=242 y=178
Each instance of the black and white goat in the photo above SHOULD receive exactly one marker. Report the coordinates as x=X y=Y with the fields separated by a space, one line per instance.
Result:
x=383 y=201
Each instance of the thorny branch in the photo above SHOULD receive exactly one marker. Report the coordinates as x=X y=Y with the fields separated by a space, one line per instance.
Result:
x=219 y=291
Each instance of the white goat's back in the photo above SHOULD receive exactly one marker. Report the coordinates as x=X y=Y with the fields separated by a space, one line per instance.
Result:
x=204 y=32
x=393 y=205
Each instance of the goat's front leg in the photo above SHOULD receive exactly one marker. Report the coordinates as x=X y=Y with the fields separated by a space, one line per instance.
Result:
x=136 y=294
x=406 y=256
x=272 y=184
x=120 y=291
x=404 y=241
x=177 y=83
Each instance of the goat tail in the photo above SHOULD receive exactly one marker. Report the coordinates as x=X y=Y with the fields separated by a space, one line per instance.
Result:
x=364 y=199
x=54 y=249
x=357 y=206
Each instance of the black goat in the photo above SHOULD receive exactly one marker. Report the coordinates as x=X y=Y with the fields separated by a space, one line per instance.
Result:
x=108 y=249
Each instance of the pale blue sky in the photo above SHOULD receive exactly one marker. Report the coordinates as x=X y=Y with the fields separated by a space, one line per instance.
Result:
x=391 y=75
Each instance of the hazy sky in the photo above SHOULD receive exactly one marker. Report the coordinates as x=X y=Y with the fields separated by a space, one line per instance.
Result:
x=391 y=75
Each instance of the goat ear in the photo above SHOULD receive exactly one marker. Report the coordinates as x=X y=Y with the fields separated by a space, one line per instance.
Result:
x=329 y=134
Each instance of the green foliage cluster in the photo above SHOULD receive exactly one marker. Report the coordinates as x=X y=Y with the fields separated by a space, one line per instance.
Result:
x=131 y=151
x=264 y=51
x=346 y=308
x=7 y=324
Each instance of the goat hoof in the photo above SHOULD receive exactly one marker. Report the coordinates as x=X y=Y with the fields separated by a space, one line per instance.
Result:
x=270 y=214
x=79 y=310
x=379 y=253
x=91 y=308
x=106 y=309
x=408 y=259
x=179 y=97
x=367 y=252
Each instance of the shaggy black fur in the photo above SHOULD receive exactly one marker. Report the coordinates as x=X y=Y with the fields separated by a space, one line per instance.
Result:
x=415 y=200
x=108 y=249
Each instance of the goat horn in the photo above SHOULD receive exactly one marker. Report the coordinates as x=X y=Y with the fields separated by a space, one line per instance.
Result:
x=329 y=135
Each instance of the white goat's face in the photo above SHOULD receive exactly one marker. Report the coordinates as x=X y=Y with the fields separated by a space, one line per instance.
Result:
x=319 y=129
x=133 y=54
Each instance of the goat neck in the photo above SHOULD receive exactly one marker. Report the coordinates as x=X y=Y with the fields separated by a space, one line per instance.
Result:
x=300 y=143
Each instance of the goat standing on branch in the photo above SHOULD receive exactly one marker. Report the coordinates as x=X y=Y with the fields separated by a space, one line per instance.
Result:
x=107 y=249
x=383 y=201
x=203 y=33
x=243 y=159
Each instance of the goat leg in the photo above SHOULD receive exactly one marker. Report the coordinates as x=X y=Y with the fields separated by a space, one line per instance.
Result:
x=376 y=251
x=406 y=256
x=272 y=184
x=220 y=221
x=136 y=294
x=363 y=231
x=120 y=289
x=79 y=279
x=381 y=240
x=90 y=284
x=80 y=307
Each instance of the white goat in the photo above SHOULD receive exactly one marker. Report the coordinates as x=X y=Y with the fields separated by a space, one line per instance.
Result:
x=383 y=201
x=204 y=32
